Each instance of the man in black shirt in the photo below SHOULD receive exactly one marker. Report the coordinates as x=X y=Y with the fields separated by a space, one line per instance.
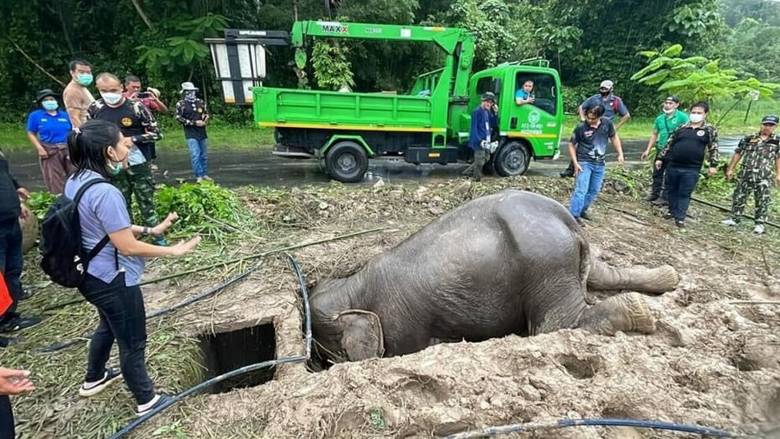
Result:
x=137 y=122
x=684 y=156
x=191 y=113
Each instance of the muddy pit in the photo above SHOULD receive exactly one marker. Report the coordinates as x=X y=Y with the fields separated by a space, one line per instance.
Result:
x=711 y=362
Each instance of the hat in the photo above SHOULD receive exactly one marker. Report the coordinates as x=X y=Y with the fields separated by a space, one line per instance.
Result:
x=771 y=119
x=153 y=91
x=46 y=92
x=489 y=96
x=673 y=98
x=186 y=86
x=607 y=84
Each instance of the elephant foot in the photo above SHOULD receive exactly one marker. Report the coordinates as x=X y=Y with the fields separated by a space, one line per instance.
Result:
x=658 y=280
x=624 y=312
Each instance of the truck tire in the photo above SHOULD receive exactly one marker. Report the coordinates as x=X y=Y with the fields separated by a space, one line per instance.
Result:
x=512 y=159
x=346 y=162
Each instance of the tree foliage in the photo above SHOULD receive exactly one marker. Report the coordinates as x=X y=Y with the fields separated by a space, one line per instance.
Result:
x=587 y=41
x=698 y=78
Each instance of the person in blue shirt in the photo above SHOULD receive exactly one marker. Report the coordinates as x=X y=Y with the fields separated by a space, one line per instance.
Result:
x=483 y=123
x=48 y=128
x=525 y=95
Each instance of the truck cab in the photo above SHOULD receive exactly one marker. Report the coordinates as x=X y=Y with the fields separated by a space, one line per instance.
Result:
x=529 y=131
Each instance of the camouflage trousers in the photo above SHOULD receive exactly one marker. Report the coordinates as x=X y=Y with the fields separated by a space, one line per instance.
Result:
x=762 y=192
x=138 y=181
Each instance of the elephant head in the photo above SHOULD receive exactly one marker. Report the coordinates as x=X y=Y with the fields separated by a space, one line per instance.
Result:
x=356 y=335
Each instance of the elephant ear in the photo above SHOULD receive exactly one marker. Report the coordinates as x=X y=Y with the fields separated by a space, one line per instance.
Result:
x=361 y=334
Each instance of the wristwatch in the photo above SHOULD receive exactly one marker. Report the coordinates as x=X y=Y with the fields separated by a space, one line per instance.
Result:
x=145 y=231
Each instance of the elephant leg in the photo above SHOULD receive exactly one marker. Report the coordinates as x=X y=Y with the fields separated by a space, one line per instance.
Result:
x=623 y=312
x=602 y=276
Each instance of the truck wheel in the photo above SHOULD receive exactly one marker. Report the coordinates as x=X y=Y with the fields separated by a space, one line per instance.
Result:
x=512 y=159
x=346 y=162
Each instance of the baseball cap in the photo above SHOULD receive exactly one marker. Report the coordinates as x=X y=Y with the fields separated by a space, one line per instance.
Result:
x=489 y=96
x=771 y=119
x=673 y=98
x=607 y=84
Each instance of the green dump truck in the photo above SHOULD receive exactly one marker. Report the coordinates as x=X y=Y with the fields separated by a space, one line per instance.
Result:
x=428 y=124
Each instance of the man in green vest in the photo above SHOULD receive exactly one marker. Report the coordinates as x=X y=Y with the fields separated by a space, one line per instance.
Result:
x=665 y=124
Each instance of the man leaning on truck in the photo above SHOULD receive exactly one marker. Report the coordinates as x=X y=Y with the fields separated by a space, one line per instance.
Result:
x=483 y=122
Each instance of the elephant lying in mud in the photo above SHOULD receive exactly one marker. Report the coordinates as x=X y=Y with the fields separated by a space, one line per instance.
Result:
x=512 y=262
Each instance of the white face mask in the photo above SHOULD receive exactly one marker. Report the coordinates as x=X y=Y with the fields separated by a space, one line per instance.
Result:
x=696 y=118
x=111 y=98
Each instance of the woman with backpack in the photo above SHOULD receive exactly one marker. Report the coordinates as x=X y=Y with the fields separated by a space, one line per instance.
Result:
x=98 y=151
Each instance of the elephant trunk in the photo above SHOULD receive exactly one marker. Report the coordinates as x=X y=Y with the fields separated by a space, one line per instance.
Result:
x=647 y=280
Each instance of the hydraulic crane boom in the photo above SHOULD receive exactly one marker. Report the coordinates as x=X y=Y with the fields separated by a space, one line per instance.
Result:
x=457 y=43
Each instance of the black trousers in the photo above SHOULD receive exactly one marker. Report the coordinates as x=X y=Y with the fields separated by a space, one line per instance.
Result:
x=122 y=318
x=11 y=262
x=6 y=419
x=658 y=181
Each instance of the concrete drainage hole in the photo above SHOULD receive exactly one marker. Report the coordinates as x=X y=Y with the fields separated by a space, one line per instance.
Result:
x=226 y=351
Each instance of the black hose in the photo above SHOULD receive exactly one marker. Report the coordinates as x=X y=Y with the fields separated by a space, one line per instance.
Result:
x=593 y=422
x=252 y=367
x=206 y=294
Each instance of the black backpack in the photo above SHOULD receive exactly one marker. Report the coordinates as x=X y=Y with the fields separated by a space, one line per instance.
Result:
x=64 y=258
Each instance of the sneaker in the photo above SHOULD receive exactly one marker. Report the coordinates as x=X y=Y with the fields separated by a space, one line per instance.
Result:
x=679 y=223
x=668 y=215
x=156 y=402
x=207 y=178
x=660 y=202
x=154 y=167
x=93 y=388
x=584 y=215
x=199 y=180
x=759 y=229
x=651 y=197
x=729 y=222
x=17 y=323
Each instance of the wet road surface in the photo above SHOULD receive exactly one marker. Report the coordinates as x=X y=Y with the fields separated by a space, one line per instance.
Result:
x=259 y=167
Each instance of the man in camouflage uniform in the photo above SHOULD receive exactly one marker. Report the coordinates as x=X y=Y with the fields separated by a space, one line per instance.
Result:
x=761 y=165
x=136 y=122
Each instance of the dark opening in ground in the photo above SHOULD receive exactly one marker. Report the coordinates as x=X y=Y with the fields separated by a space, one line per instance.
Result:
x=226 y=351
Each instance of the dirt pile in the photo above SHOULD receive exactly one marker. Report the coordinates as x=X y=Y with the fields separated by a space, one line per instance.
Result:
x=712 y=362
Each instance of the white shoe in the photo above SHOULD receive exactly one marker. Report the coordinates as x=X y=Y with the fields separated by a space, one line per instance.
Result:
x=93 y=388
x=759 y=229
x=729 y=222
x=199 y=179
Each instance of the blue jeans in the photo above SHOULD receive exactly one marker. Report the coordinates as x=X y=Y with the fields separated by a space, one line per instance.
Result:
x=122 y=318
x=586 y=187
x=680 y=183
x=199 y=156
x=11 y=262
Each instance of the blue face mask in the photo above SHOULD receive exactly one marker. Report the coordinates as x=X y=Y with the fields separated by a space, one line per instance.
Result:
x=49 y=105
x=84 y=79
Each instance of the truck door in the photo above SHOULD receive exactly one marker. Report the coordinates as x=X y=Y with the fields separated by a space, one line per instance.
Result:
x=539 y=122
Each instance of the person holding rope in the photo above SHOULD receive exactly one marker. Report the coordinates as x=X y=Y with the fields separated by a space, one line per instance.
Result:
x=99 y=150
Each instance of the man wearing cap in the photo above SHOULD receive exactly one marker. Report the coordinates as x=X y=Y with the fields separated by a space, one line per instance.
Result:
x=612 y=105
x=191 y=113
x=761 y=165
x=151 y=100
x=665 y=124
x=483 y=123
x=48 y=128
